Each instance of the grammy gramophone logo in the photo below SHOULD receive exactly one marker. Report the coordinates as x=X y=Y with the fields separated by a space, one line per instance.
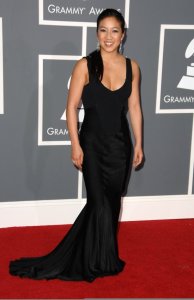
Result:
x=187 y=81
x=80 y=108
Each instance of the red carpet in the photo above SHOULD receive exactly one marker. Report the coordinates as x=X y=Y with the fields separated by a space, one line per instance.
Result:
x=159 y=257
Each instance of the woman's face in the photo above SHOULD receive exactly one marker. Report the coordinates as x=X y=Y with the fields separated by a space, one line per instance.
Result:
x=109 y=34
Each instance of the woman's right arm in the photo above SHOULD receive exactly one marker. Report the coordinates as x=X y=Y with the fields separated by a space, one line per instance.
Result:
x=78 y=80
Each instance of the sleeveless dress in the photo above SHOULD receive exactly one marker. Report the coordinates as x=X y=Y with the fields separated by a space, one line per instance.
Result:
x=90 y=249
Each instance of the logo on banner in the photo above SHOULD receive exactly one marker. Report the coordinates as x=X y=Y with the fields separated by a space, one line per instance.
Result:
x=65 y=12
x=175 y=84
x=80 y=109
x=187 y=81
x=52 y=129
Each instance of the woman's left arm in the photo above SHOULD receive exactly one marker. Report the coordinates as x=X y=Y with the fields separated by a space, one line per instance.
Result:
x=136 y=114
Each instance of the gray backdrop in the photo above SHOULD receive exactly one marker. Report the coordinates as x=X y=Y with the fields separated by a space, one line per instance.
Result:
x=40 y=46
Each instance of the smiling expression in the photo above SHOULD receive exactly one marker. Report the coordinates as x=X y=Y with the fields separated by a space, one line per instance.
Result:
x=109 y=34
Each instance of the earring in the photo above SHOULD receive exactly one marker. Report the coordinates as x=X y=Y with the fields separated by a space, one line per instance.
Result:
x=98 y=46
x=121 y=48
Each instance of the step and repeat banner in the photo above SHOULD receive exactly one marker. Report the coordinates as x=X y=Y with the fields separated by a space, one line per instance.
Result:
x=40 y=41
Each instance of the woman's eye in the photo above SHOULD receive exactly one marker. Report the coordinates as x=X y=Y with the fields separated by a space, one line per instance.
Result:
x=115 y=30
x=102 y=30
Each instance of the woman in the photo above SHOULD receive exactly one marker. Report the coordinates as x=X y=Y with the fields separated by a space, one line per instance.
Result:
x=108 y=84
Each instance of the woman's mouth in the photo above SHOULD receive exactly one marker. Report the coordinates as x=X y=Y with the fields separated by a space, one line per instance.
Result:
x=108 y=44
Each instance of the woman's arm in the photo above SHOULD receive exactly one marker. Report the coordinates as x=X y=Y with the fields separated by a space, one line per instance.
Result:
x=136 y=114
x=78 y=80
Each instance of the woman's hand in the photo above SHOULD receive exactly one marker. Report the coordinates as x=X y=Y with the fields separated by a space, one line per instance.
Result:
x=77 y=156
x=137 y=156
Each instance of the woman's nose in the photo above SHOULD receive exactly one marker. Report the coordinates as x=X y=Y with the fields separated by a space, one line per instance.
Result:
x=109 y=34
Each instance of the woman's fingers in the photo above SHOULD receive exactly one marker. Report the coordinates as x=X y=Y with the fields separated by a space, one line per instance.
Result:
x=138 y=156
x=78 y=162
x=77 y=156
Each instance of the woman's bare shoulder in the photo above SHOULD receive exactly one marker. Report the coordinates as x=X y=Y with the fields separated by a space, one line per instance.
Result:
x=81 y=65
x=80 y=71
x=134 y=64
x=135 y=68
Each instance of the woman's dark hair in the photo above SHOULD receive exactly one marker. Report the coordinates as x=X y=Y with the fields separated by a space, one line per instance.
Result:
x=96 y=58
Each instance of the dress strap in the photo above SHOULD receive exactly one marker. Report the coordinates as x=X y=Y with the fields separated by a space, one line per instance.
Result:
x=129 y=69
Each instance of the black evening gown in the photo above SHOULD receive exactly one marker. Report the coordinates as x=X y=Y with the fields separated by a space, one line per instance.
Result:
x=90 y=249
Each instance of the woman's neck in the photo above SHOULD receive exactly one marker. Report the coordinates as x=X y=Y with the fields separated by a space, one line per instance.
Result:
x=106 y=56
